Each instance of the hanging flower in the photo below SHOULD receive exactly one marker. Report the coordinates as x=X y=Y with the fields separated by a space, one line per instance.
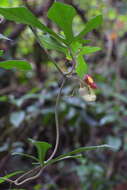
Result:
x=87 y=92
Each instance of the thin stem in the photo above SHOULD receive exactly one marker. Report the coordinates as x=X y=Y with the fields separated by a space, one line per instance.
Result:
x=57 y=120
x=50 y=58
x=16 y=182
x=74 y=63
x=27 y=173
x=8 y=180
x=30 y=178
x=73 y=59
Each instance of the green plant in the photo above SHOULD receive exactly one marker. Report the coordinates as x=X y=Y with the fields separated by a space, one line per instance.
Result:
x=74 y=49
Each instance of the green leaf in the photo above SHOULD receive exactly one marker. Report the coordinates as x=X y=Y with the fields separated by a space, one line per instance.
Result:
x=77 y=151
x=81 y=67
x=76 y=47
x=2 y=37
x=90 y=25
x=1 y=52
x=42 y=148
x=25 y=16
x=63 y=14
x=63 y=158
x=8 y=3
x=50 y=43
x=82 y=41
x=88 y=50
x=25 y=155
x=3 y=179
x=88 y=148
x=18 y=64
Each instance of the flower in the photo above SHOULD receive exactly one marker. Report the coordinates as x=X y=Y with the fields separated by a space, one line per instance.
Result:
x=87 y=94
x=89 y=81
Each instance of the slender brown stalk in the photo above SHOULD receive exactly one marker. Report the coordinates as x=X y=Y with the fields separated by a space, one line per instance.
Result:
x=57 y=120
x=16 y=182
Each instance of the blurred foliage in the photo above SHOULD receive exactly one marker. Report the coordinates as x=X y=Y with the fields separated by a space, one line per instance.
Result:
x=27 y=102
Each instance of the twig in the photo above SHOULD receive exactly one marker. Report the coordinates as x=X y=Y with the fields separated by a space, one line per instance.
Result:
x=30 y=178
x=27 y=173
x=57 y=120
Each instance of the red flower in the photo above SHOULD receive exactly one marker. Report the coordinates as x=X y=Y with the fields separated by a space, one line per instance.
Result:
x=89 y=80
